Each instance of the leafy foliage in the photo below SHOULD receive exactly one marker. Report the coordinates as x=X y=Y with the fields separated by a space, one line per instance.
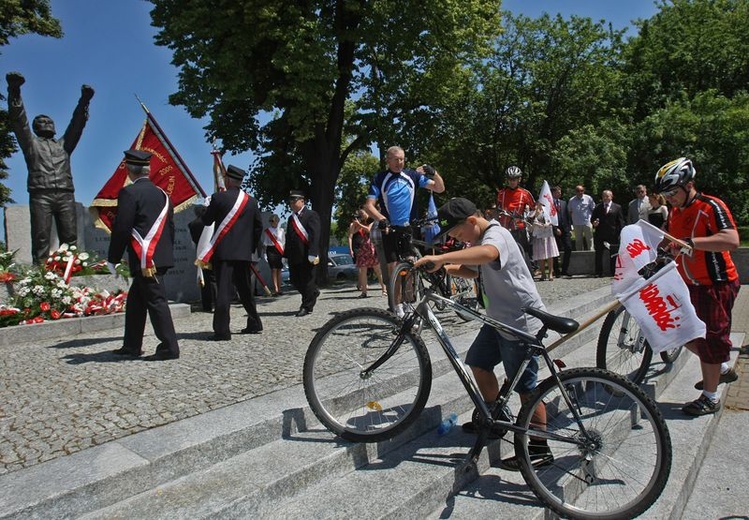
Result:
x=307 y=84
x=524 y=104
x=315 y=87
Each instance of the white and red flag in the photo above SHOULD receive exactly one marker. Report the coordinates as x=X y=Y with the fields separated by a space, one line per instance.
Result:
x=546 y=199
x=168 y=171
x=660 y=304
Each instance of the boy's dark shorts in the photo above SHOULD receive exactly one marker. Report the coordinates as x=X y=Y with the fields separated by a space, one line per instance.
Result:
x=490 y=348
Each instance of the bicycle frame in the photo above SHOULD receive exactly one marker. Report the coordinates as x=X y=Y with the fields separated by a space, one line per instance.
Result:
x=535 y=346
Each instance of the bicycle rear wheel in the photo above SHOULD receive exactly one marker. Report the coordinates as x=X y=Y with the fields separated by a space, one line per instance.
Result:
x=611 y=464
x=375 y=406
x=406 y=287
x=464 y=292
x=621 y=349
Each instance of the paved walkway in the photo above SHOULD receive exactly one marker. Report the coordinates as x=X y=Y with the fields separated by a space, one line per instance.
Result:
x=64 y=395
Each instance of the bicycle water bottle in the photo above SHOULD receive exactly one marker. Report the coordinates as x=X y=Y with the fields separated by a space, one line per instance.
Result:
x=447 y=424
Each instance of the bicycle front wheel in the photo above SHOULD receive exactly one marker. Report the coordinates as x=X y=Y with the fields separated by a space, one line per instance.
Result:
x=377 y=405
x=406 y=287
x=610 y=454
x=621 y=349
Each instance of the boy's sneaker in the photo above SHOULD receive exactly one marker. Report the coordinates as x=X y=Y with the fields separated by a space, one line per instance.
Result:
x=728 y=377
x=540 y=456
x=702 y=406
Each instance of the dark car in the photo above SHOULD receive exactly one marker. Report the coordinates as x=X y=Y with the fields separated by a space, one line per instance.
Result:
x=341 y=267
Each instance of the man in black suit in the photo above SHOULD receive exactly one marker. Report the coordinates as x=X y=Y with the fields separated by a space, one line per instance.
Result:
x=608 y=221
x=236 y=236
x=144 y=226
x=303 y=250
x=562 y=233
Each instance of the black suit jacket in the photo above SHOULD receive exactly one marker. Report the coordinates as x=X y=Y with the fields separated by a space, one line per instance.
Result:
x=609 y=224
x=244 y=236
x=296 y=250
x=563 y=217
x=138 y=207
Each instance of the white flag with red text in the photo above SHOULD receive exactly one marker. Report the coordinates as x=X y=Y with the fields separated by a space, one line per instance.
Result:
x=550 y=210
x=660 y=304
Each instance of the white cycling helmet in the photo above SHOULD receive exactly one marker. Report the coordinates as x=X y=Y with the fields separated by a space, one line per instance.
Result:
x=674 y=174
x=513 y=172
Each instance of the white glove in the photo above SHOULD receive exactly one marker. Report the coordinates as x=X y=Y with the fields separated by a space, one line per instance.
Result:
x=112 y=268
x=314 y=260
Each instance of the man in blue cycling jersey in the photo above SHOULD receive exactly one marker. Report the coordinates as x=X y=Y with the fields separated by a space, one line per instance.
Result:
x=395 y=189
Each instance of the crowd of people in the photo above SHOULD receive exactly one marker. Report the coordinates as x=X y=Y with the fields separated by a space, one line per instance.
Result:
x=510 y=245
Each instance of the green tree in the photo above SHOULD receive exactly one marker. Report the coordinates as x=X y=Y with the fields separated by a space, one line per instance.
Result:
x=526 y=102
x=19 y=17
x=689 y=46
x=291 y=79
x=351 y=189
x=713 y=131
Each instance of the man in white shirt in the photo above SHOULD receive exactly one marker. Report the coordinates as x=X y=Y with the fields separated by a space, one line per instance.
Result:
x=581 y=207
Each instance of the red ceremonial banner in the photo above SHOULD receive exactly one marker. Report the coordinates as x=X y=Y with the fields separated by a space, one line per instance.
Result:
x=168 y=172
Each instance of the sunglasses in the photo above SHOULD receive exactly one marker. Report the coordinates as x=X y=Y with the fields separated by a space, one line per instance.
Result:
x=670 y=193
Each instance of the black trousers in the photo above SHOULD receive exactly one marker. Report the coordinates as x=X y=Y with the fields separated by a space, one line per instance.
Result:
x=564 y=244
x=148 y=296
x=230 y=274
x=601 y=251
x=208 y=290
x=43 y=206
x=521 y=237
x=302 y=277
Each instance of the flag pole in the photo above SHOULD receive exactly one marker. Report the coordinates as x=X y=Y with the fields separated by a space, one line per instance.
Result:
x=171 y=146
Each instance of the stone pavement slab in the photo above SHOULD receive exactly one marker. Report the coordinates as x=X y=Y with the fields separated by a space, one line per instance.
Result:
x=61 y=395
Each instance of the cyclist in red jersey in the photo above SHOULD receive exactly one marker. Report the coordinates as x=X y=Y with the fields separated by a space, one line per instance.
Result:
x=519 y=203
x=706 y=224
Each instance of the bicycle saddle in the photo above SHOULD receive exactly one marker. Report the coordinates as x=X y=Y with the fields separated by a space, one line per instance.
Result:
x=558 y=324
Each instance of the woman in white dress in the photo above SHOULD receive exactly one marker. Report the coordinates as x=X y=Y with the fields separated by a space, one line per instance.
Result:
x=544 y=245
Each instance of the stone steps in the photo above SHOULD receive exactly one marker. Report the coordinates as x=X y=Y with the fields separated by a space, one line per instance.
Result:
x=272 y=445
x=503 y=494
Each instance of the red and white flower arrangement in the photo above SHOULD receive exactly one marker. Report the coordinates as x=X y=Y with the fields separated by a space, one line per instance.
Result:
x=42 y=293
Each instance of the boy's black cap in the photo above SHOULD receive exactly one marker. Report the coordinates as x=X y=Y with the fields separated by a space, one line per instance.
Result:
x=453 y=213
x=296 y=194
x=235 y=173
x=137 y=158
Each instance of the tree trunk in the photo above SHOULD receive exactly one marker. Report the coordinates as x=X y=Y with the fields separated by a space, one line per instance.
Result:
x=324 y=168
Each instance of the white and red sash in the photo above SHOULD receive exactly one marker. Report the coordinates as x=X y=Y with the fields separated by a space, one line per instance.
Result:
x=144 y=247
x=204 y=256
x=275 y=241
x=299 y=229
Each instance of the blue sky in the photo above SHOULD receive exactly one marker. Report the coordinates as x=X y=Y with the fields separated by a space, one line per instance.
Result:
x=109 y=45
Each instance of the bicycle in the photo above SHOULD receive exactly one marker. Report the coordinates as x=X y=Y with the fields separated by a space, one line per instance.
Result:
x=621 y=346
x=367 y=377
x=407 y=290
x=623 y=349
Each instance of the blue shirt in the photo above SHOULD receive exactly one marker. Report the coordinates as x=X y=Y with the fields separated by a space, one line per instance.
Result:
x=396 y=194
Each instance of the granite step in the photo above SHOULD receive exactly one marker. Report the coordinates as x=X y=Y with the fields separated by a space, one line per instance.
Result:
x=503 y=494
x=114 y=472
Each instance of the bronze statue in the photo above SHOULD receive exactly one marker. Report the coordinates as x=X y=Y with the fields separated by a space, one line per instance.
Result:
x=50 y=181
